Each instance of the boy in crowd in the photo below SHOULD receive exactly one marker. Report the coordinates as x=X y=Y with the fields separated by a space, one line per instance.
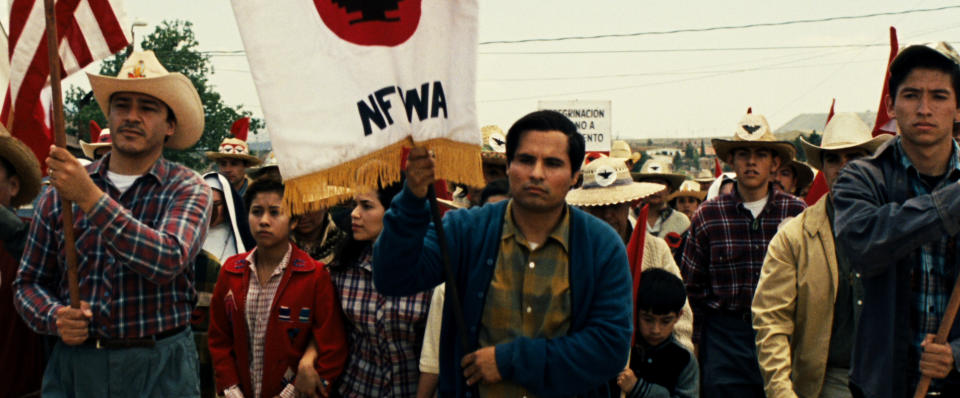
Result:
x=659 y=365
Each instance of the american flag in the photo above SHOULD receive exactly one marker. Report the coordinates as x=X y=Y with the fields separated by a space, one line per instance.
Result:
x=87 y=30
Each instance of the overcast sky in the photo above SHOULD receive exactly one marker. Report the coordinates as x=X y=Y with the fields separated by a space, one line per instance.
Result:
x=656 y=90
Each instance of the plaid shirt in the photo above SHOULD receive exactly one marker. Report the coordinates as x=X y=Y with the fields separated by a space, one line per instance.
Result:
x=529 y=295
x=384 y=333
x=725 y=250
x=931 y=281
x=259 y=299
x=135 y=253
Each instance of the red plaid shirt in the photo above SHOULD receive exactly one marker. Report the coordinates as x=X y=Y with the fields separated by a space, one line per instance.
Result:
x=135 y=254
x=725 y=250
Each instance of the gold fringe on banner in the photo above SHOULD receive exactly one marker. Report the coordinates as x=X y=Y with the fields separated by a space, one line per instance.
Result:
x=455 y=162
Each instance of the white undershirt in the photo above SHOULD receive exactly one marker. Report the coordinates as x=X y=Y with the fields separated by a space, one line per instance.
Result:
x=756 y=207
x=123 y=182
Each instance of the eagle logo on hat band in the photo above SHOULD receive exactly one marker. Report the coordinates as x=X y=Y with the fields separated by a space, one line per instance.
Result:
x=234 y=149
x=497 y=142
x=605 y=176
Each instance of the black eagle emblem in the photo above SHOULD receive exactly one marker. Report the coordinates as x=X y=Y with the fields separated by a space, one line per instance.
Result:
x=498 y=141
x=370 y=10
x=605 y=174
x=751 y=128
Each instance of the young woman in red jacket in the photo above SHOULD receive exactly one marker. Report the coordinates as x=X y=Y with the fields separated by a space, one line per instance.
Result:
x=267 y=306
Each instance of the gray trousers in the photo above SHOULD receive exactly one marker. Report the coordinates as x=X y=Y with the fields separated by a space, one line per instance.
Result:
x=169 y=369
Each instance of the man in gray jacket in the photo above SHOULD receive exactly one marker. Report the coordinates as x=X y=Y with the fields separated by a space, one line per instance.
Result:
x=897 y=217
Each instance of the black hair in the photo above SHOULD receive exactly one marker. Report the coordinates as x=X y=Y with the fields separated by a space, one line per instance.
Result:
x=923 y=59
x=494 y=188
x=262 y=185
x=548 y=121
x=349 y=250
x=660 y=292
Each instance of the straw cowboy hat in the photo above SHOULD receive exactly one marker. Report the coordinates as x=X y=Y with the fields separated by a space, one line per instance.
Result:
x=100 y=137
x=143 y=73
x=705 y=176
x=25 y=165
x=690 y=189
x=607 y=181
x=621 y=150
x=656 y=169
x=270 y=162
x=753 y=131
x=844 y=131
x=236 y=147
x=494 y=149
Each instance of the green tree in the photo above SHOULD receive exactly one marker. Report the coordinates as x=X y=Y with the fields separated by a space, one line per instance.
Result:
x=177 y=48
x=801 y=155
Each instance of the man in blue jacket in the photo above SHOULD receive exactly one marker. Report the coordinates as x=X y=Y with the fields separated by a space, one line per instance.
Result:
x=897 y=217
x=545 y=287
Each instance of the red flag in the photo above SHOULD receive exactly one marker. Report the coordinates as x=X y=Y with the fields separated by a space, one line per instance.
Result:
x=241 y=128
x=830 y=115
x=635 y=256
x=717 y=170
x=94 y=132
x=885 y=124
x=819 y=186
x=87 y=30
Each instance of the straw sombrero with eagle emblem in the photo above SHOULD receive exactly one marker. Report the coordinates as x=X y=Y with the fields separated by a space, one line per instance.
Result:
x=753 y=131
x=607 y=181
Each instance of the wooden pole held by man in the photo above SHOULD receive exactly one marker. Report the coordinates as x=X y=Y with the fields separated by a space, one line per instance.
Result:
x=60 y=139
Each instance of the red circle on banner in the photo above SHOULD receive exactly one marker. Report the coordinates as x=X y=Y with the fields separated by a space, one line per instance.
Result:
x=371 y=23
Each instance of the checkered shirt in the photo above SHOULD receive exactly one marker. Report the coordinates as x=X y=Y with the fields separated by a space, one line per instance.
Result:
x=529 y=294
x=725 y=250
x=259 y=300
x=385 y=335
x=135 y=253
x=931 y=281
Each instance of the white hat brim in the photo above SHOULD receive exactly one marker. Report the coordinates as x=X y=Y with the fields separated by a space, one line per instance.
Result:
x=90 y=149
x=815 y=152
x=612 y=195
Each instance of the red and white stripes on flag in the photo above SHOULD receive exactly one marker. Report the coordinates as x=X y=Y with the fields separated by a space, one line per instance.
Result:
x=87 y=30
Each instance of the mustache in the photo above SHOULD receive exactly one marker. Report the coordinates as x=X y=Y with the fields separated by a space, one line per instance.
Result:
x=131 y=126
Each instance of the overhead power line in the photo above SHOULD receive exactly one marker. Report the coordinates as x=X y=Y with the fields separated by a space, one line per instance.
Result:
x=727 y=27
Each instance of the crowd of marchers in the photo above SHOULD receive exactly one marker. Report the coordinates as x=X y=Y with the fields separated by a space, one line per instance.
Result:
x=572 y=275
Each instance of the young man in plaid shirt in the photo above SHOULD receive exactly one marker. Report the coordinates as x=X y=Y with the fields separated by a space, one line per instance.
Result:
x=723 y=256
x=140 y=220
x=898 y=214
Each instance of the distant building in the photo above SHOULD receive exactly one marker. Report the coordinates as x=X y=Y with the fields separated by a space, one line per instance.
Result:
x=667 y=151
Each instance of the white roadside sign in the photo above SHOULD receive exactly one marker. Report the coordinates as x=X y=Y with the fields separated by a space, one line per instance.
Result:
x=591 y=117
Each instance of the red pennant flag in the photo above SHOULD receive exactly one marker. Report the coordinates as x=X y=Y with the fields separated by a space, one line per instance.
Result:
x=241 y=128
x=635 y=257
x=717 y=170
x=819 y=186
x=885 y=124
x=94 y=132
x=830 y=115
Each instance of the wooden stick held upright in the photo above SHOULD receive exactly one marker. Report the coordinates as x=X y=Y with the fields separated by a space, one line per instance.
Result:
x=942 y=333
x=60 y=138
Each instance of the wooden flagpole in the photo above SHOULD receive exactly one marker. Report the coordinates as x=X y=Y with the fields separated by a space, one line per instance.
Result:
x=942 y=333
x=60 y=138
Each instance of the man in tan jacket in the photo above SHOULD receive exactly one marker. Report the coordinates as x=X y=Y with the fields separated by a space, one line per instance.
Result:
x=807 y=299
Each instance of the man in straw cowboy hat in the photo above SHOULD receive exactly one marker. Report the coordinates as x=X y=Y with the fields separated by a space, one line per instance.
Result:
x=808 y=298
x=662 y=220
x=793 y=177
x=545 y=286
x=233 y=156
x=724 y=252
x=897 y=217
x=21 y=355
x=100 y=145
x=687 y=198
x=607 y=193
x=140 y=221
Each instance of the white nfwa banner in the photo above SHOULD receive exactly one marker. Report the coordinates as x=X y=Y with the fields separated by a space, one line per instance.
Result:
x=346 y=84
